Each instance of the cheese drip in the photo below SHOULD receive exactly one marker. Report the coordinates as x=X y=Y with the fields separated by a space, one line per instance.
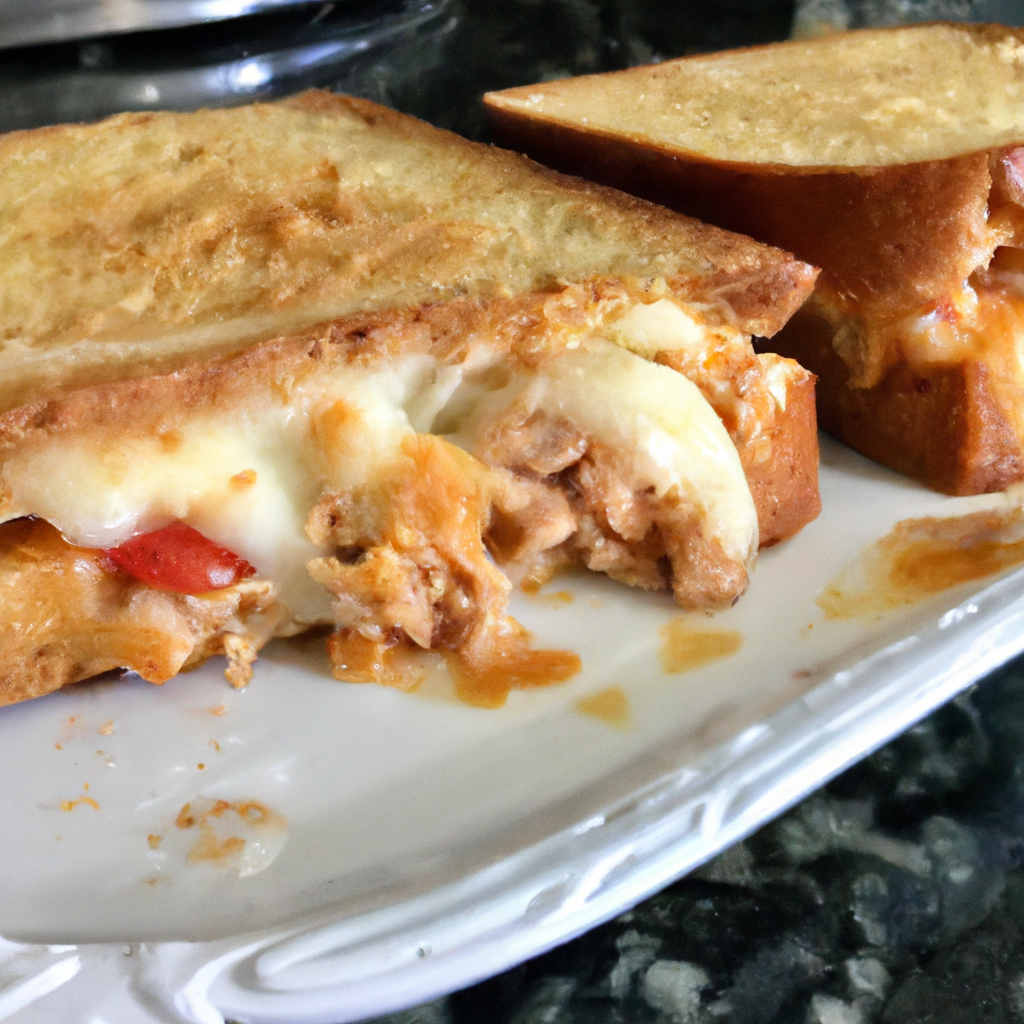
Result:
x=248 y=477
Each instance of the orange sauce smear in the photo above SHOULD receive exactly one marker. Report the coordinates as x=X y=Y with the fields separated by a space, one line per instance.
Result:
x=610 y=705
x=684 y=648
x=440 y=509
x=514 y=665
x=923 y=557
x=515 y=668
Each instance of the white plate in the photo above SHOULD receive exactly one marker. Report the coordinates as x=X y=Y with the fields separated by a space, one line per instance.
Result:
x=422 y=844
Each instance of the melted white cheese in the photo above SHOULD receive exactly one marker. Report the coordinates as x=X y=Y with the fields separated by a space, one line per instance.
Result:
x=249 y=478
x=674 y=439
x=665 y=326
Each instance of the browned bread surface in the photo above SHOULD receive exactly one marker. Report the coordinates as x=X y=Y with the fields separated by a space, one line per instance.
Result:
x=942 y=425
x=139 y=243
x=870 y=98
x=784 y=479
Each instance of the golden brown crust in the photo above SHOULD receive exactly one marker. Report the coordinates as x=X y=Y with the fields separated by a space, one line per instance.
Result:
x=874 y=97
x=941 y=425
x=68 y=616
x=783 y=474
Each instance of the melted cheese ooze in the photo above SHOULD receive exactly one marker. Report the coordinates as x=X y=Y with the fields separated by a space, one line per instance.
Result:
x=674 y=439
x=664 y=326
x=248 y=478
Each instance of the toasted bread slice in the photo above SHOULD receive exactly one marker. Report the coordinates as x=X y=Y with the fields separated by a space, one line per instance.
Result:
x=365 y=468
x=892 y=159
x=145 y=241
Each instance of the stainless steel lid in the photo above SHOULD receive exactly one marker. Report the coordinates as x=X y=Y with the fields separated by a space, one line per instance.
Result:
x=24 y=22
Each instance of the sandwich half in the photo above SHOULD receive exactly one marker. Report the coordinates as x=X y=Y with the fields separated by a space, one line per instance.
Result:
x=520 y=371
x=892 y=159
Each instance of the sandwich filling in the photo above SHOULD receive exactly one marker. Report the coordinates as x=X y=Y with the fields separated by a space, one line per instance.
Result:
x=371 y=475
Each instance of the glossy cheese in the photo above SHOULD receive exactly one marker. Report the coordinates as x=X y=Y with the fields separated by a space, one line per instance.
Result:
x=248 y=478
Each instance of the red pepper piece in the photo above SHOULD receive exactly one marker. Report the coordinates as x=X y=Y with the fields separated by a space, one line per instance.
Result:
x=180 y=559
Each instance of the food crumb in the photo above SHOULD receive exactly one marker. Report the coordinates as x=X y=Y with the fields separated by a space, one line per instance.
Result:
x=58 y=746
x=218 y=709
x=70 y=805
x=154 y=841
x=215 y=745
x=200 y=766
x=106 y=728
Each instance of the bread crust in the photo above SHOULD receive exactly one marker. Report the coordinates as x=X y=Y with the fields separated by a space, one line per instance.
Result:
x=942 y=425
x=784 y=485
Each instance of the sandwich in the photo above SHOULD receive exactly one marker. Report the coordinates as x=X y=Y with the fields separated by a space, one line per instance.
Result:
x=890 y=158
x=316 y=363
